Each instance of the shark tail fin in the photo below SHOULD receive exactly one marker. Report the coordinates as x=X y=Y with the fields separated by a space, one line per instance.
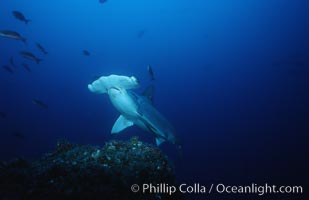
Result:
x=121 y=124
x=159 y=141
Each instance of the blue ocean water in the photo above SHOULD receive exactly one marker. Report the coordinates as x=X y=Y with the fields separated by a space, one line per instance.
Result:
x=231 y=76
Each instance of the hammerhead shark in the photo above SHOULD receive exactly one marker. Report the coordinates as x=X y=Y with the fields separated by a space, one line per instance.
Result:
x=134 y=109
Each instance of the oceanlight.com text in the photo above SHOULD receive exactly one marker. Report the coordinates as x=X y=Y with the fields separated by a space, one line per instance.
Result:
x=259 y=189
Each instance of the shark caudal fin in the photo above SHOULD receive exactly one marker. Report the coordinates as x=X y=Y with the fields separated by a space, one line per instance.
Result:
x=159 y=141
x=121 y=124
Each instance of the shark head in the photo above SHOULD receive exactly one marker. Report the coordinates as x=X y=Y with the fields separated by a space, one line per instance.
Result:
x=104 y=83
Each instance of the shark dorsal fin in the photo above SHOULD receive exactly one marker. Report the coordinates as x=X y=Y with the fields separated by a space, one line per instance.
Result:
x=149 y=92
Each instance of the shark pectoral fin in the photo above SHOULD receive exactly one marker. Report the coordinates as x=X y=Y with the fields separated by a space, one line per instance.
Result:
x=121 y=124
x=159 y=141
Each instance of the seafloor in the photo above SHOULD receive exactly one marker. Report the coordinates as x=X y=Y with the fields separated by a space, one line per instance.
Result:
x=88 y=172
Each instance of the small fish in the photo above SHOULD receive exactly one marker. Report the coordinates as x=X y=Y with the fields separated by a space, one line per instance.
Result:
x=3 y=114
x=86 y=53
x=102 y=1
x=39 y=103
x=26 y=67
x=41 y=48
x=30 y=56
x=150 y=72
x=141 y=33
x=12 y=35
x=12 y=62
x=20 y=16
x=18 y=134
x=8 y=69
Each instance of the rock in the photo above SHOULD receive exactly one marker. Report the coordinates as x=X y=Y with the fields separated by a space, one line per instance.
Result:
x=88 y=172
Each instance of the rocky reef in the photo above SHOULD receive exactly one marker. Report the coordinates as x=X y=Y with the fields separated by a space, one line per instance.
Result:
x=88 y=172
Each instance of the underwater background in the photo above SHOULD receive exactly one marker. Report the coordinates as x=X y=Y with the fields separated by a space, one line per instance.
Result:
x=231 y=76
